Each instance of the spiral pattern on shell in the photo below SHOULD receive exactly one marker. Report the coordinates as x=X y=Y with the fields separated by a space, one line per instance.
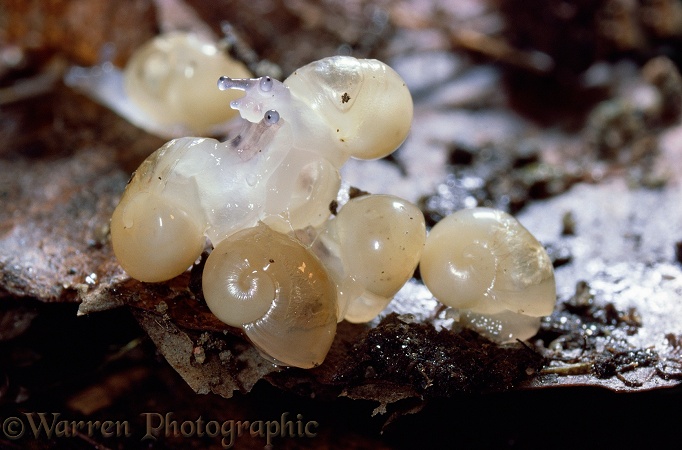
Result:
x=483 y=261
x=277 y=291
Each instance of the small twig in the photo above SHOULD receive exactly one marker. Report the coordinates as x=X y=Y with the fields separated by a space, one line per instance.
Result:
x=569 y=369
x=499 y=49
x=628 y=383
x=34 y=86
x=663 y=373
x=238 y=48
x=469 y=39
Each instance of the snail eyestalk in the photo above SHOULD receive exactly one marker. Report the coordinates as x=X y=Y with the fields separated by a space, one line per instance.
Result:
x=254 y=137
x=253 y=195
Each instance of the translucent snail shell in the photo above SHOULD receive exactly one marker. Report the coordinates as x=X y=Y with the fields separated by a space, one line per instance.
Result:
x=377 y=240
x=277 y=291
x=340 y=106
x=365 y=103
x=172 y=78
x=484 y=263
x=167 y=87
x=157 y=229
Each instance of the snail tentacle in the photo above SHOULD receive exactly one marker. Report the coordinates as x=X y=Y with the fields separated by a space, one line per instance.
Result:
x=263 y=192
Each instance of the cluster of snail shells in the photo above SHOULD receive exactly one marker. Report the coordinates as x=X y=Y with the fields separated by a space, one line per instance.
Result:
x=279 y=264
x=281 y=268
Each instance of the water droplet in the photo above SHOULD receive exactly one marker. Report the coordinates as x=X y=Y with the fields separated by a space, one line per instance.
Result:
x=91 y=279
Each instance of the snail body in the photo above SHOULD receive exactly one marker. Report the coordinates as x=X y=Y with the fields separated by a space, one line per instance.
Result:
x=274 y=180
x=341 y=106
x=167 y=86
x=277 y=291
x=485 y=263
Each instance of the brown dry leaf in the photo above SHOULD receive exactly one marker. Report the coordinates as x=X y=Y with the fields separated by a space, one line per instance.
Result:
x=101 y=395
x=63 y=169
x=78 y=29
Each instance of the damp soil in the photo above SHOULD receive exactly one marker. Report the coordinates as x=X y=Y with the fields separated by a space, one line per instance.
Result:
x=585 y=152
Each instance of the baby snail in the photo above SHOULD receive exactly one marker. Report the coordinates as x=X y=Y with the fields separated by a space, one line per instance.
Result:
x=167 y=86
x=372 y=248
x=485 y=264
x=341 y=106
x=277 y=291
x=190 y=189
x=275 y=180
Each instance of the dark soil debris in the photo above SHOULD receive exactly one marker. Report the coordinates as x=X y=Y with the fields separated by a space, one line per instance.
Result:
x=64 y=161
x=614 y=363
x=597 y=333
x=506 y=178
x=438 y=363
x=577 y=322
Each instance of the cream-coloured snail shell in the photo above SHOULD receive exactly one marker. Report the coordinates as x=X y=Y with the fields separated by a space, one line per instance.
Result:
x=339 y=106
x=157 y=229
x=486 y=264
x=365 y=103
x=167 y=86
x=277 y=291
x=297 y=202
x=273 y=180
x=378 y=240
x=172 y=78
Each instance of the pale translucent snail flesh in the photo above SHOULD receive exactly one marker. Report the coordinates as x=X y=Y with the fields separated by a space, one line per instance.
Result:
x=485 y=264
x=271 y=171
x=341 y=106
x=193 y=188
x=372 y=246
x=276 y=179
x=167 y=86
x=277 y=291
